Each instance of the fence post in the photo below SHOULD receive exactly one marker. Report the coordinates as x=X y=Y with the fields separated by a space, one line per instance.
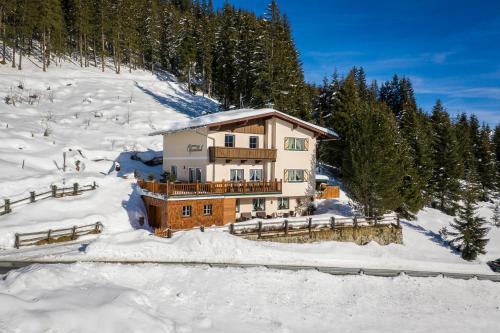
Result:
x=75 y=188
x=202 y=228
x=332 y=222
x=94 y=185
x=286 y=227
x=355 y=222
x=54 y=190
x=260 y=229
x=375 y=219
x=7 y=206
x=73 y=232
x=16 y=242
x=48 y=236
x=398 y=222
x=231 y=228
x=32 y=196
x=169 y=233
x=309 y=226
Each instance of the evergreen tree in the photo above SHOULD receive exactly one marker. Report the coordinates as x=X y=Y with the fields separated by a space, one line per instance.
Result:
x=495 y=219
x=470 y=232
x=446 y=164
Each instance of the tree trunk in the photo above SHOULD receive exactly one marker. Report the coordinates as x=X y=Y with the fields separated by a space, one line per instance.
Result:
x=80 y=47
x=20 y=50
x=93 y=51
x=14 y=45
x=43 y=50
x=102 y=49
x=49 y=45
x=86 y=50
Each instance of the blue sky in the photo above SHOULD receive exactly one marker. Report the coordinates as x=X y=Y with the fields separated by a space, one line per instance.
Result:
x=449 y=49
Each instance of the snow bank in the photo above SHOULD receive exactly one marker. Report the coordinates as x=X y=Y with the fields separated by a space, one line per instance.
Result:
x=154 y=298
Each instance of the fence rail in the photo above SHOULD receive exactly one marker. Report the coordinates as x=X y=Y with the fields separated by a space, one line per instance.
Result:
x=56 y=235
x=210 y=188
x=55 y=192
x=310 y=224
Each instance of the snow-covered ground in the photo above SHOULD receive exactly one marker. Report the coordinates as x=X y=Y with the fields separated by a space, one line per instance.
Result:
x=155 y=298
x=103 y=118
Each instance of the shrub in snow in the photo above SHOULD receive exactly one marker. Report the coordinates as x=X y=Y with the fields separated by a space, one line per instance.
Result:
x=151 y=177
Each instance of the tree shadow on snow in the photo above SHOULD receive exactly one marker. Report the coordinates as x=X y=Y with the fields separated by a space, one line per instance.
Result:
x=186 y=103
x=434 y=237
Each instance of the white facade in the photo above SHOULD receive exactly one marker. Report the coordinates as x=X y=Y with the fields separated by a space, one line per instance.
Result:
x=189 y=149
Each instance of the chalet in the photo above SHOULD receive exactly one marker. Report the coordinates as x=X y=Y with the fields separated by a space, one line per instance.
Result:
x=234 y=165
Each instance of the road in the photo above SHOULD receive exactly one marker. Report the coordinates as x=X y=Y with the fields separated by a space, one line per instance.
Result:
x=6 y=266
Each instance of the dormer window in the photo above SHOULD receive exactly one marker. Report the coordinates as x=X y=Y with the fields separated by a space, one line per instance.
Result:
x=229 y=140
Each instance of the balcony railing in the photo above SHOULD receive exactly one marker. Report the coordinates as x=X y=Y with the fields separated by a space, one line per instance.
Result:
x=211 y=188
x=232 y=153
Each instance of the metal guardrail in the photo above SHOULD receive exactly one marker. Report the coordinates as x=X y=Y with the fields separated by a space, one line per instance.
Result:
x=56 y=235
x=55 y=192
x=6 y=266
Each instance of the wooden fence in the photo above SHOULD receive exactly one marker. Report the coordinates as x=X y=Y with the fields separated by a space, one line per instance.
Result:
x=310 y=224
x=56 y=235
x=55 y=192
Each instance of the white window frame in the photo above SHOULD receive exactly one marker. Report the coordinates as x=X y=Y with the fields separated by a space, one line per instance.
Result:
x=281 y=201
x=226 y=136
x=197 y=172
x=293 y=144
x=256 y=142
x=236 y=172
x=187 y=211
x=207 y=209
x=261 y=203
x=294 y=173
x=255 y=172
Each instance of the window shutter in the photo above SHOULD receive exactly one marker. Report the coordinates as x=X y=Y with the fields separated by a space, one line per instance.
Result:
x=306 y=175
x=286 y=143
x=306 y=144
x=285 y=177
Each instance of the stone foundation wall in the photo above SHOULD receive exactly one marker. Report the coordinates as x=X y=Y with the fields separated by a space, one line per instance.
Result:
x=361 y=235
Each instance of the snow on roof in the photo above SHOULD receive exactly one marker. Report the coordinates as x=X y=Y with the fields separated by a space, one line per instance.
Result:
x=235 y=115
x=322 y=177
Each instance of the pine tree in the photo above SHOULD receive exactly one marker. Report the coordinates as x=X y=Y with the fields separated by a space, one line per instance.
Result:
x=470 y=232
x=446 y=164
x=496 y=144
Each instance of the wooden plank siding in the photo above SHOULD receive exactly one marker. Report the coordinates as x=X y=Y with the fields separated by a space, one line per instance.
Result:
x=197 y=218
x=231 y=153
x=229 y=214
x=157 y=212
x=254 y=126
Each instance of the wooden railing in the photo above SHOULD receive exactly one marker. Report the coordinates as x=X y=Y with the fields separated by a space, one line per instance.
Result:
x=286 y=227
x=209 y=188
x=56 y=235
x=55 y=192
x=233 y=153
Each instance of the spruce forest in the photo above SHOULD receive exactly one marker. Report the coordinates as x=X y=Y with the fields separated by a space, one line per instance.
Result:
x=391 y=154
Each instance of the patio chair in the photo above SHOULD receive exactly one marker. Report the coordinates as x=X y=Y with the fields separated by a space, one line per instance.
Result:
x=261 y=215
x=245 y=216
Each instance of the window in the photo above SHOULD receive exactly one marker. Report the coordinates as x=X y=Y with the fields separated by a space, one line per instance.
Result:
x=237 y=205
x=283 y=203
x=295 y=175
x=259 y=204
x=207 y=209
x=173 y=170
x=186 y=211
x=300 y=144
x=229 y=140
x=236 y=175
x=256 y=175
x=254 y=142
x=194 y=175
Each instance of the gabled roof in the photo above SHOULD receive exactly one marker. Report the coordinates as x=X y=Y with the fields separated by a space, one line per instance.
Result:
x=233 y=116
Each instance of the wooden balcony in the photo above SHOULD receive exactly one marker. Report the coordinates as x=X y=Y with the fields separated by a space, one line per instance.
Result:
x=211 y=188
x=230 y=153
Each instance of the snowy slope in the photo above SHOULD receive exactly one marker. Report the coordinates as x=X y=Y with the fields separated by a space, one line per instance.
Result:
x=128 y=107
